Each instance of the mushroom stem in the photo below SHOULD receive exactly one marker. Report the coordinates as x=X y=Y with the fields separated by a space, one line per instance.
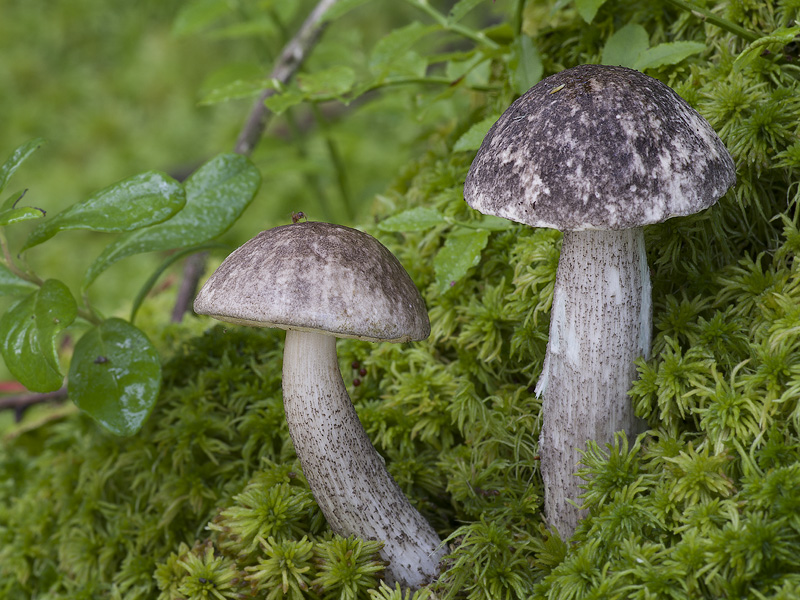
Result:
x=600 y=322
x=346 y=474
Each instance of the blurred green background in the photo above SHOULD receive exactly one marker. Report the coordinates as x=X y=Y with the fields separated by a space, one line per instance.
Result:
x=116 y=87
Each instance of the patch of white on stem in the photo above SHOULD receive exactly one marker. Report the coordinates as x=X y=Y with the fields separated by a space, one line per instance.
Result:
x=599 y=325
x=646 y=312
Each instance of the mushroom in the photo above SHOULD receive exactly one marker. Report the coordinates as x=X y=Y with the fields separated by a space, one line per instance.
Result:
x=596 y=152
x=320 y=281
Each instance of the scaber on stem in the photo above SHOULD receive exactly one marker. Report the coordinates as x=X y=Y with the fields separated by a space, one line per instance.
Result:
x=320 y=281
x=597 y=152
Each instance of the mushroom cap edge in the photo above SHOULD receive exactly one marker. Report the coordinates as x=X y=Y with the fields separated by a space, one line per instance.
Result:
x=321 y=277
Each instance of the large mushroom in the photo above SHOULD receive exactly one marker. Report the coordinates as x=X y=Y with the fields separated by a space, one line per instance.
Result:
x=320 y=281
x=596 y=152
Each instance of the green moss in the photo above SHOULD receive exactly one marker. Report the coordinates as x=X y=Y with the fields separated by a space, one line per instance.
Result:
x=208 y=500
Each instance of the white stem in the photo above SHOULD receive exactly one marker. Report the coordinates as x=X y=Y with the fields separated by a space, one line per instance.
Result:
x=600 y=322
x=347 y=476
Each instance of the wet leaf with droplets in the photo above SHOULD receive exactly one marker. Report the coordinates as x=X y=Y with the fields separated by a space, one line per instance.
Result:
x=115 y=376
x=28 y=332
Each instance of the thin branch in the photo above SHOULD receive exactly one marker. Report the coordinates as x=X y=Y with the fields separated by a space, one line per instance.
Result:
x=192 y=272
x=476 y=36
x=21 y=402
x=706 y=15
x=288 y=63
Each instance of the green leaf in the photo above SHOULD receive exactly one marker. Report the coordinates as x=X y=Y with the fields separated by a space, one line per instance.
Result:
x=329 y=83
x=625 y=46
x=13 y=200
x=526 y=64
x=18 y=156
x=413 y=219
x=234 y=81
x=115 y=376
x=199 y=15
x=475 y=69
x=235 y=90
x=340 y=8
x=11 y=285
x=28 y=333
x=493 y=223
x=133 y=203
x=216 y=195
x=461 y=8
x=410 y=65
x=10 y=213
x=17 y=215
x=396 y=45
x=172 y=258
x=279 y=103
x=670 y=53
x=781 y=36
x=262 y=27
x=587 y=9
x=471 y=139
x=460 y=253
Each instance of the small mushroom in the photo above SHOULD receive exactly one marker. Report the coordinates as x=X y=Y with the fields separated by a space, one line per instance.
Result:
x=320 y=281
x=596 y=152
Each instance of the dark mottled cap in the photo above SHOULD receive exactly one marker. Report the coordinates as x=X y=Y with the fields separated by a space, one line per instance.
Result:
x=598 y=147
x=317 y=277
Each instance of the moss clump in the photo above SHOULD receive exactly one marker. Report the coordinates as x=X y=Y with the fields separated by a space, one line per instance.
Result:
x=208 y=501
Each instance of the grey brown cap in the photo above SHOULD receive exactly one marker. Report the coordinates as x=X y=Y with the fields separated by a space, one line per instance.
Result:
x=598 y=147
x=314 y=276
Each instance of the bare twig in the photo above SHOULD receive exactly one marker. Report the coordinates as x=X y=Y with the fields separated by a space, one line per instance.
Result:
x=289 y=61
x=19 y=403
x=192 y=272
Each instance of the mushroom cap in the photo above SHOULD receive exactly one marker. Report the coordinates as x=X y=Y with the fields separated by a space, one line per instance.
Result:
x=320 y=277
x=598 y=147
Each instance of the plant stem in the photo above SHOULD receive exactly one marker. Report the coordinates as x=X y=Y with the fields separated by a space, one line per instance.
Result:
x=19 y=403
x=336 y=161
x=199 y=255
x=398 y=81
x=476 y=36
x=519 y=17
x=291 y=58
x=88 y=313
x=289 y=61
x=320 y=191
x=709 y=16
x=9 y=263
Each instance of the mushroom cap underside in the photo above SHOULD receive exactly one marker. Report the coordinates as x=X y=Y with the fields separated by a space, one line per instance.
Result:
x=598 y=147
x=313 y=276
